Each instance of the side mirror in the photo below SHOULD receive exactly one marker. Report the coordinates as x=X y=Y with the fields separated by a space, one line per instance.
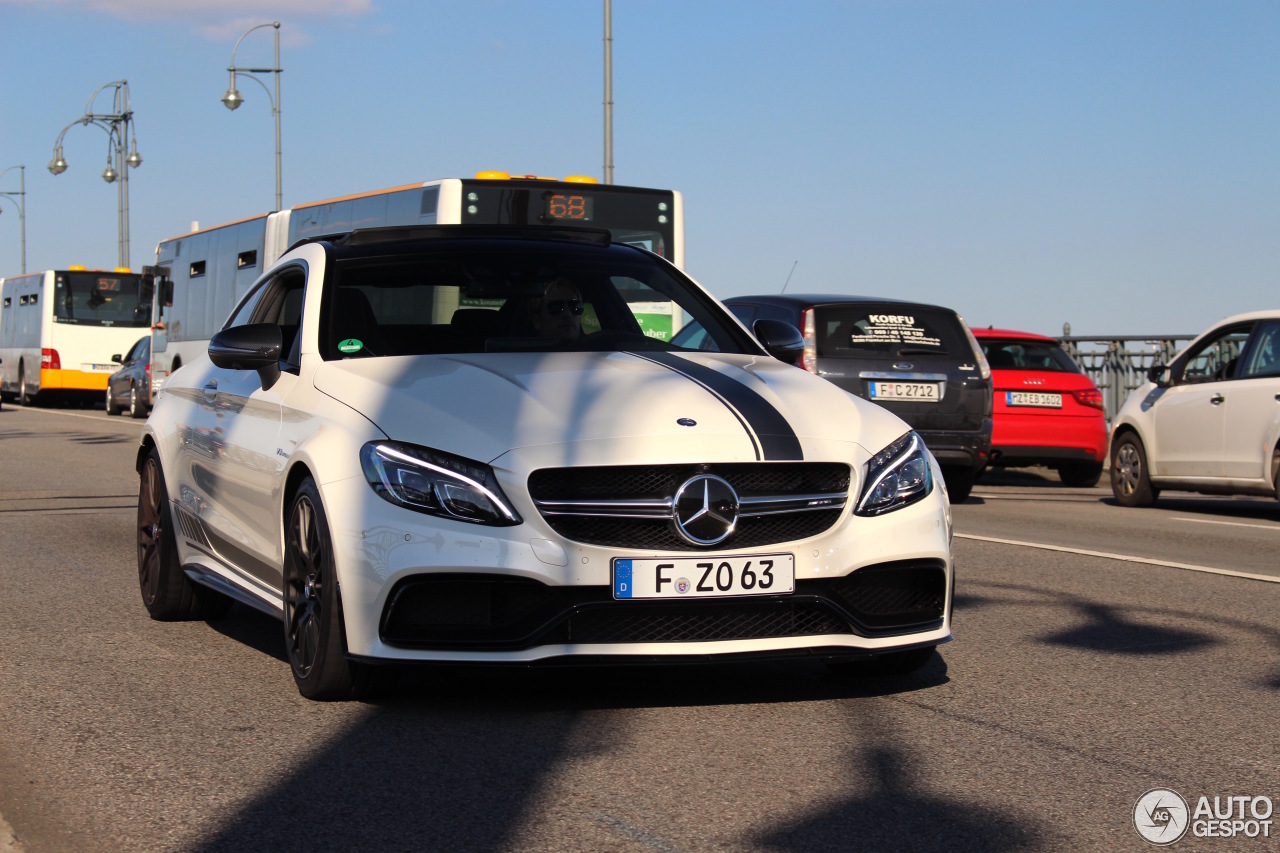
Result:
x=781 y=340
x=158 y=277
x=1159 y=374
x=117 y=359
x=252 y=347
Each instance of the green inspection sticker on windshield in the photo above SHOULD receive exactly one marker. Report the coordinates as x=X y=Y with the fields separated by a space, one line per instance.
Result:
x=350 y=345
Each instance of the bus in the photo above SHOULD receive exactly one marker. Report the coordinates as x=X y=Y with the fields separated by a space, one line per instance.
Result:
x=60 y=328
x=205 y=273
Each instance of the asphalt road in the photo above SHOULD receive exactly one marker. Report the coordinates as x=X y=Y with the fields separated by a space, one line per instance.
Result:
x=1076 y=683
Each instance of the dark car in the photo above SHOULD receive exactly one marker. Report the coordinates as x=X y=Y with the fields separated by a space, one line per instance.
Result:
x=919 y=361
x=130 y=386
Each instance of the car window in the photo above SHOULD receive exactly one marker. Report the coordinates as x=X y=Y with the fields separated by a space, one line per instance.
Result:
x=281 y=303
x=1014 y=354
x=241 y=315
x=744 y=313
x=138 y=350
x=1216 y=358
x=1263 y=355
x=888 y=331
x=482 y=296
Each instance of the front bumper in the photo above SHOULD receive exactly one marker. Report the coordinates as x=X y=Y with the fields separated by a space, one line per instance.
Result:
x=418 y=588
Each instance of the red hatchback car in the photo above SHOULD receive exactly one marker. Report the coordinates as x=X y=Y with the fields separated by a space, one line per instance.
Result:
x=1047 y=411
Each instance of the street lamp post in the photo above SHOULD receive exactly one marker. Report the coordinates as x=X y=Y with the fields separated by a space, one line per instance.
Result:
x=118 y=125
x=21 y=195
x=233 y=99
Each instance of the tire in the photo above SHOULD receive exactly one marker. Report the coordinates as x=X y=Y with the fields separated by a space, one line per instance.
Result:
x=315 y=640
x=1080 y=475
x=111 y=401
x=24 y=399
x=137 y=410
x=1130 y=481
x=890 y=664
x=959 y=483
x=167 y=592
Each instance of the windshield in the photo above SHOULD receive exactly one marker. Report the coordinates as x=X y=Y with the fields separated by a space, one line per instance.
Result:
x=469 y=296
x=1027 y=355
x=888 y=331
x=101 y=299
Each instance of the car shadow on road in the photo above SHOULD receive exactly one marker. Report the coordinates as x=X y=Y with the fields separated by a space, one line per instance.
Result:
x=602 y=686
x=1233 y=508
x=897 y=816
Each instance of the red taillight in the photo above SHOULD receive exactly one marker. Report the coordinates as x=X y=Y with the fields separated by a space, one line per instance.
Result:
x=49 y=360
x=147 y=369
x=809 y=361
x=1088 y=397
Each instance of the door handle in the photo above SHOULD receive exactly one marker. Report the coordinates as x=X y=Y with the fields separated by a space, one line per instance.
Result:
x=1216 y=399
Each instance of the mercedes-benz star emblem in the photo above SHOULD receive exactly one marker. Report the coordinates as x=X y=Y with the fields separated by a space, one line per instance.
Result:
x=706 y=510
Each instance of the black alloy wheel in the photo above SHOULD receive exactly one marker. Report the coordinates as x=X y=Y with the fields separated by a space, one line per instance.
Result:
x=1130 y=481
x=167 y=593
x=313 y=628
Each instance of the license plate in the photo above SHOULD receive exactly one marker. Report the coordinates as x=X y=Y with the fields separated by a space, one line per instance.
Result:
x=102 y=368
x=704 y=577
x=904 y=391
x=1033 y=398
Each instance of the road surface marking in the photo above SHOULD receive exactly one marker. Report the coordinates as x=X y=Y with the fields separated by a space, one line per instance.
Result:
x=1124 y=557
x=1229 y=523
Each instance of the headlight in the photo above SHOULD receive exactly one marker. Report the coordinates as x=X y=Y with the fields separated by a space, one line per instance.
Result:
x=897 y=476
x=425 y=480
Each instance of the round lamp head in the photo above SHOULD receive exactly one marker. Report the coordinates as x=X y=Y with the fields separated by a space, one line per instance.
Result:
x=109 y=174
x=134 y=159
x=58 y=165
x=232 y=98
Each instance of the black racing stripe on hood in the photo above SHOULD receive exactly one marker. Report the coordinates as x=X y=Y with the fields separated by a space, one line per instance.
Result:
x=776 y=439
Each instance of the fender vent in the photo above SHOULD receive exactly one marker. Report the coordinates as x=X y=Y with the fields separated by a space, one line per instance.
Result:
x=192 y=529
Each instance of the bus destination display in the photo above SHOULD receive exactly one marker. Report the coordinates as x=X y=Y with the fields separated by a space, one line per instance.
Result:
x=565 y=207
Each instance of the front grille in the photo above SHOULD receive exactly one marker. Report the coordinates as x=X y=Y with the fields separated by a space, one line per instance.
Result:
x=595 y=505
x=651 y=482
x=489 y=613
x=656 y=535
x=705 y=622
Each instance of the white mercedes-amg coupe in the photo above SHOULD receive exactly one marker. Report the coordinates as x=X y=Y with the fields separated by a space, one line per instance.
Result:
x=459 y=444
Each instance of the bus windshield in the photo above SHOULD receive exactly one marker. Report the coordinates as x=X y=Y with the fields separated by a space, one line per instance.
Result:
x=101 y=299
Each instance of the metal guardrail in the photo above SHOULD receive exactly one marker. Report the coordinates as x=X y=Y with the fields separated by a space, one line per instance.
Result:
x=1118 y=365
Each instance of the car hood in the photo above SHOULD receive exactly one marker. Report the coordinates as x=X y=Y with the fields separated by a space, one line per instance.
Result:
x=609 y=407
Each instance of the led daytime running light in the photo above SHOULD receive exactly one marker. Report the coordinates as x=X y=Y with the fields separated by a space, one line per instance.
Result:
x=497 y=500
x=888 y=463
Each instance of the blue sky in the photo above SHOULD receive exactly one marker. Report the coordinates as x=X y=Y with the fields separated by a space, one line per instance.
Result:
x=1115 y=165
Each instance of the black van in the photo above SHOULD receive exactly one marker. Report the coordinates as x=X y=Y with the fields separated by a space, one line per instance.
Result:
x=919 y=361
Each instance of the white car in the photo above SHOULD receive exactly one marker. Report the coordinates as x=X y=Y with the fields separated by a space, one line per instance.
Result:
x=402 y=445
x=1209 y=422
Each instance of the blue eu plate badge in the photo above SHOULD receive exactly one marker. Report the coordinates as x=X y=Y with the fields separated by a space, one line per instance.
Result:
x=621 y=578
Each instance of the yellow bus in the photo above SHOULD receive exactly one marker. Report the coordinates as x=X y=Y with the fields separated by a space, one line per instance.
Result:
x=60 y=328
